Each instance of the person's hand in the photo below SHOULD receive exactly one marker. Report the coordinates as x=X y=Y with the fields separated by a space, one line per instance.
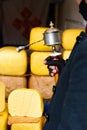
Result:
x=78 y=1
x=54 y=65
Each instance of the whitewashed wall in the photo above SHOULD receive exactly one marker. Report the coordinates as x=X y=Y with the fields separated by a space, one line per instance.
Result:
x=15 y=18
x=19 y=17
x=69 y=16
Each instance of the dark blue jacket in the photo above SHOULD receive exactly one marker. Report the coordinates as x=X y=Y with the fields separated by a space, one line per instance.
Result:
x=68 y=107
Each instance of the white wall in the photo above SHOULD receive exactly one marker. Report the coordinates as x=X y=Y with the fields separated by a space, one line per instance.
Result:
x=66 y=16
x=69 y=16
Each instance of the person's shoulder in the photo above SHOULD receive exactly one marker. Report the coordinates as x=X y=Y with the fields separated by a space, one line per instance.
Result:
x=82 y=36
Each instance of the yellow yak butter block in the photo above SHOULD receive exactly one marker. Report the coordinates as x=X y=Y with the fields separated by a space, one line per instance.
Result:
x=2 y=96
x=37 y=65
x=3 y=119
x=37 y=37
x=66 y=54
x=27 y=126
x=12 y=62
x=25 y=102
x=69 y=37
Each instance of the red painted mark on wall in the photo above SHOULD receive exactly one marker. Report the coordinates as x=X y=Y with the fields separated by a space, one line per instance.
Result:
x=26 y=23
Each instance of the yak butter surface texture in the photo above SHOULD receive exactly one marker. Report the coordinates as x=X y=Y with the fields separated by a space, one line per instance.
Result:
x=37 y=37
x=12 y=62
x=2 y=96
x=37 y=65
x=25 y=102
x=27 y=126
x=69 y=37
x=66 y=54
x=3 y=119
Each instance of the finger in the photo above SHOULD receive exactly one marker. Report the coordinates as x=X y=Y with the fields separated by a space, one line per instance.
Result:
x=45 y=62
x=51 y=74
